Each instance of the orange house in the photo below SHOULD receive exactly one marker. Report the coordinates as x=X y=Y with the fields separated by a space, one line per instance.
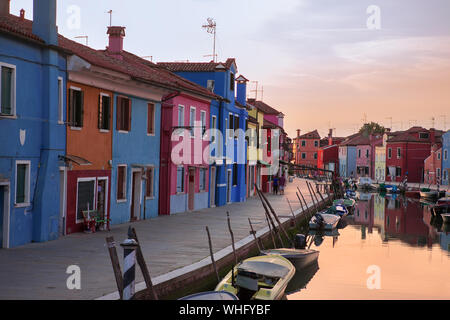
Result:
x=89 y=153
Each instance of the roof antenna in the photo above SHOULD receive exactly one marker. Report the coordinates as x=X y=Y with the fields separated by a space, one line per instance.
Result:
x=211 y=28
x=84 y=37
x=256 y=90
x=110 y=17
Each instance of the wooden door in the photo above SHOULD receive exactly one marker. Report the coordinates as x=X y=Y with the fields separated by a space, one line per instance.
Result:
x=135 y=196
x=191 y=193
x=212 y=187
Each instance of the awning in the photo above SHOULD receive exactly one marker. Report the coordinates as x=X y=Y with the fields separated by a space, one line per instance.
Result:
x=263 y=163
x=78 y=160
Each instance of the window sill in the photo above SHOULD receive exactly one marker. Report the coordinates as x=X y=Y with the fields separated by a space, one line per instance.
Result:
x=180 y=193
x=5 y=116
x=122 y=131
x=22 y=205
x=150 y=134
x=76 y=128
x=121 y=200
x=150 y=198
x=104 y=131
x=60 y=122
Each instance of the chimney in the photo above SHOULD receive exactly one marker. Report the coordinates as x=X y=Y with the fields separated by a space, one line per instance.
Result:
x=116 y=35
x=22 y=14
x=44 y=20
x=241 y=91
x=4 y=7
x=432 y=135
x=298 y=133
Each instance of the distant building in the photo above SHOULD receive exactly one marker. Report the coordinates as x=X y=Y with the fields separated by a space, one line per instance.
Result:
x=307 y=148
x=446 y=158
x=347 y=157
x=433 y=165
x=407 y=151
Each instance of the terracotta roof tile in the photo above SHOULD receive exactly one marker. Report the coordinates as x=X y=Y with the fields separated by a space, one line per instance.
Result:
x=197 y=66
x=263 y=107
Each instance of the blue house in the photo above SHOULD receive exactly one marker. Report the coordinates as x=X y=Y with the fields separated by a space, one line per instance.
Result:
x=446 y=158
x=32 y=125
x=347 y=160
x=228 y=170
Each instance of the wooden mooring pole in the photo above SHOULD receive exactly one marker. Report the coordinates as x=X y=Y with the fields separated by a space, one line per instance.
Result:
x=115 y=264
x=232 y=238
x=304 y=200
x=257 y=240
x=268 y=215
x=212 y=254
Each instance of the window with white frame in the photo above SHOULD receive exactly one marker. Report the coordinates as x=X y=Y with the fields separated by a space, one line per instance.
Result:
x=180 y=179
x=121 y=182
x=8 y=90
x=439 y=156
x=76 y=107
x=60 y=100
x=213 y=127
x=203 y=121
x=192 y=114
x=202 y=179
x=22 y=182
x=181 y=119
x=85 y=196
x=389 y=153
x=445 y=154
x=104 y=112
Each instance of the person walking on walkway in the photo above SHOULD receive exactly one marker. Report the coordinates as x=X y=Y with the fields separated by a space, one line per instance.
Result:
x=282 y=183
x=275 y=184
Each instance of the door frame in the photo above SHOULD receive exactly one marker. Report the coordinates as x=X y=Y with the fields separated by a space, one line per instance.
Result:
x=229 y=185
x=63 y=205
x=86 y=179
x=6 y=213
x=106 y=194
x=191 y=192
x=212 y=188
x=133 y=171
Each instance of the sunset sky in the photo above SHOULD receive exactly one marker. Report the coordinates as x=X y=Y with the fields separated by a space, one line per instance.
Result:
x=317 y=60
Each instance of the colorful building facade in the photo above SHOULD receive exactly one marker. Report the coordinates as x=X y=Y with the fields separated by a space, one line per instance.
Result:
x=446 y=158
x=307 y=148
x=32 y=126
x=433 y=166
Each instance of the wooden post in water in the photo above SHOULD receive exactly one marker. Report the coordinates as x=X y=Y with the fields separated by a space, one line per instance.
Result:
x=115 y=264
x=212 y=254
x=292 y=211
x=271 y=233
x=257 y=240
x=268 y=215
x=301 y=203
x=314 y=194
x=232 y=238
x=304 y=200
x=143 y=266
x=321 y=197
x=278 y=220
x=312 y=197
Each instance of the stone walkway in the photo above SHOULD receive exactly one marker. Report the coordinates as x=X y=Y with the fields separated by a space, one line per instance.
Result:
x=38 y=270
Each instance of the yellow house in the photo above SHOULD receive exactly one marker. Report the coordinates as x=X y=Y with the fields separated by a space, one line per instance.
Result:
x=254 y=149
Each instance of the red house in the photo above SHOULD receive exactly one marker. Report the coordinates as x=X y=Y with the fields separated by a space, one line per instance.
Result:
x=307 y=148
x=407 y=151
x=328 y=153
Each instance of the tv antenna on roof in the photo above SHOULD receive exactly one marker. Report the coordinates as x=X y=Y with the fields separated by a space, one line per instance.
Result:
x=84 y=37
x=211 y=28
x=110 y=17
x=256 y=90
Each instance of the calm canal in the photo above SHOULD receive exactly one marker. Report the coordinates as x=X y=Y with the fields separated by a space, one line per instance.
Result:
x=391 y=245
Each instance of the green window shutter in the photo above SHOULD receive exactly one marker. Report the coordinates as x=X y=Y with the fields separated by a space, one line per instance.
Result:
x=100 y=112
x=107 y=108
x=21 y=180
x=81 y=108
x=6 y=81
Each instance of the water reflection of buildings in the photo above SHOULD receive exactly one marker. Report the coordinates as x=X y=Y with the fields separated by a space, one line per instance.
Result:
x=397 y=218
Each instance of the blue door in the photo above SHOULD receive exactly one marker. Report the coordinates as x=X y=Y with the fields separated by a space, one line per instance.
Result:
x=1 y=215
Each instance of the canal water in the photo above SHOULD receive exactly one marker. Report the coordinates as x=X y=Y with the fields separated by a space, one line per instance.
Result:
x=389 y=249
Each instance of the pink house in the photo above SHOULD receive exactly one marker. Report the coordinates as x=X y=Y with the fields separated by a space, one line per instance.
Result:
x=433 y=165
x=365 y=154
x=184 y=177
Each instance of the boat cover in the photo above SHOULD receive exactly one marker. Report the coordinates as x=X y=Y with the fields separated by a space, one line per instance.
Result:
x=264 y=268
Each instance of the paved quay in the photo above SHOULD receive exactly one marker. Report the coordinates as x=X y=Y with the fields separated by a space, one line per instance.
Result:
x=169 y=244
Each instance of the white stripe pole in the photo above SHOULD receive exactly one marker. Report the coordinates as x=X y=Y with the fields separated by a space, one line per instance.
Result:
x=129 y=267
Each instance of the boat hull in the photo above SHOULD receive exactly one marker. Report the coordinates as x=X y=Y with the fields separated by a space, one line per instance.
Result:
x=300 y=258
x=445 y=217
x=429 y=194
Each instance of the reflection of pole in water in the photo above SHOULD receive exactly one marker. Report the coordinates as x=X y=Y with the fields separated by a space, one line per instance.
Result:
x=363 y=232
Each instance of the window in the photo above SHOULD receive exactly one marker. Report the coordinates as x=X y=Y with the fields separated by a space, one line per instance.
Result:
x=232 y=81
x=235 y=174
x=389 y=153
x=303 y=143
x=60 y=101
x=303 y=155
x=367 y=153
x=8 y=90
x=181 y=119
x=76 y=107
x=424 y=135
x=214 y=127
x=399 y=153
x=236 y=125
x=202 y=182
x=438 y=174
x=398 y=172
x=192 y=120
x=104 y=112
x=359 y=153
x=149 y=175
x=203 y=121
x=210 y=84
x=445 y=175
x=316 y=144
x=180 y=179
x=315 y=155
x=439 y=156
x=123 y=114
x=121 y=182
x=150 y=118
x=231 y=125
x=445 y=154
x=22 y=182
x=85 y=197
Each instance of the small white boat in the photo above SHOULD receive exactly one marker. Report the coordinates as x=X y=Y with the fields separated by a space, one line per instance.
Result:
x=429 y=194
x=365 y=183
x=324 y=221
x=300 y=258
x=211 y=295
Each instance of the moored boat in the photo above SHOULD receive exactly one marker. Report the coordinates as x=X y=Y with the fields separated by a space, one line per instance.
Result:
x=412 y=194
x=445 y=217
x=429 y=194
x=300 y=258
x=211 y=295
x=444 y=200
x=365 y=183
x=259 y=278
x=324 y=221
